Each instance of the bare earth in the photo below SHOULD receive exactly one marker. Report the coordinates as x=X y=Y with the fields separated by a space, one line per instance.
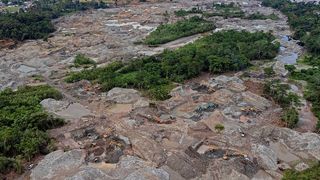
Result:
x=122 y=135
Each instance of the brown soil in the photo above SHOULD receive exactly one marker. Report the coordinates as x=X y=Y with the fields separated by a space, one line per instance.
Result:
x=254 y=87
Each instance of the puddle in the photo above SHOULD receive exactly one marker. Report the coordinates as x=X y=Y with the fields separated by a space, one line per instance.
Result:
x=215 y=153
x=286 y=38
x=288 y=58
x=286 y=55
x=282 y=48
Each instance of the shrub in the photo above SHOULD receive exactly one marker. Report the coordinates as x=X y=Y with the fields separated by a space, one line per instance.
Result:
x=290 y=117
x=160 y=92
x=81 y=59
x=269 y=72
x=280 y=93
x=219 y=127
x=290 y=68
x=10 y=163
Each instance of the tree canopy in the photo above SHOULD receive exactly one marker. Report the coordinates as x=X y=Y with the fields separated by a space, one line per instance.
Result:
x=23 y=123
x=36 y=22
x=220 y=52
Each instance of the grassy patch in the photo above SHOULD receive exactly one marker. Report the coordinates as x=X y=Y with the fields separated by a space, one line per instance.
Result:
x=312 y=173
x=226 y=10
x=169 y=32
x=182 y=12
x=82 y=60
x=220 y=52
x=269 y=72
x=23 y=123
x=12 y=9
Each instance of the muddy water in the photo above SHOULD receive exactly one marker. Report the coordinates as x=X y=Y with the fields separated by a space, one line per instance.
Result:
x=288 y=53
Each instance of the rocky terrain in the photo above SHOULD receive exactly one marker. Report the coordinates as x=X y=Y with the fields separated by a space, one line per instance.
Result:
x=213 y=127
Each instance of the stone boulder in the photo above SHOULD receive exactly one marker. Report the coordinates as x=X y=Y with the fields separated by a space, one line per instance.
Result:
x=262 y=175
x=182 y=91
x=256 y=101
x=186 y=166
x=266 y=156
x=74 y=111
x=89 y=173
x=222 y=79
x=58 y=163
x=131 y=167
x=279 y=69
x=222 y=97
x=141 y=103
x=215 y=118
x=237 y=87
x=148 y=173
x=235 y=175
x=53 y=105
x=123 y=96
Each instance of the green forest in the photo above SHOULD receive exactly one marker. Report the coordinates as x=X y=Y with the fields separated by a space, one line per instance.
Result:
x=36 y=23
x=23 y=125
x=155 y=75
x=187 y=27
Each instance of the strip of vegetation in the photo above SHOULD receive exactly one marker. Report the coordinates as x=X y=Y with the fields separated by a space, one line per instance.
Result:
x=220 y=52
x=82 y=60
x=287 y=100
x=230 y=10
x=187 y=27
x=308 y=174
x=182 y=12
x=312 y=92
x=259 y=16
x=23 y=125
x=36 y=23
